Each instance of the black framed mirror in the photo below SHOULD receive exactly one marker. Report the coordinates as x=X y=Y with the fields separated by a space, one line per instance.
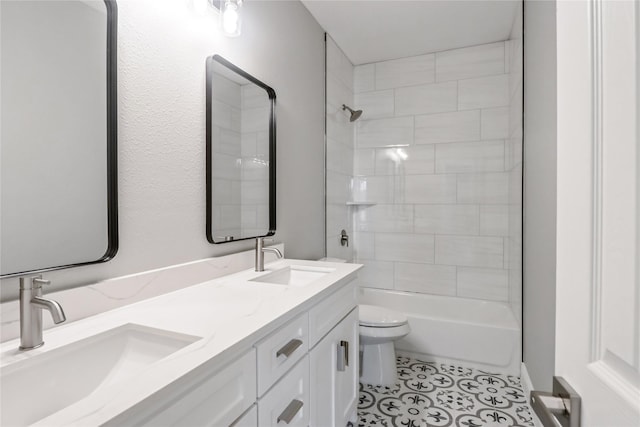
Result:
x=241 y=154
x=58 y=183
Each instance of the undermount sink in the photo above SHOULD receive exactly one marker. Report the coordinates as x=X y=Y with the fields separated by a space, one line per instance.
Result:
x=295 y=275
x=45 y=384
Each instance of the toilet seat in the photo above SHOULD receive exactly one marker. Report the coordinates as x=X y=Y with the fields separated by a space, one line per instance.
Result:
x=380 y=317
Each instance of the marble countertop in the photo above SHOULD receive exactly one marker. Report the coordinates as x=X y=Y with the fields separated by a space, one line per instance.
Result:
x=229 y=313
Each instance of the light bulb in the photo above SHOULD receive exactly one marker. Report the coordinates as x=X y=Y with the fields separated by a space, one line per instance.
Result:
x=231 y=17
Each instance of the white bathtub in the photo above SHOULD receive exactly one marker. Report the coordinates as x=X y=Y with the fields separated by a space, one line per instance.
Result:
x=480 y=334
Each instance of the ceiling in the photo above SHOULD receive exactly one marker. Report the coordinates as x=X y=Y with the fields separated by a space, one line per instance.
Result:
x=378 y=30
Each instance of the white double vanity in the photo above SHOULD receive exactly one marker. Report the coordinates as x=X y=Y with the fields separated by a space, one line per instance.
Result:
x=278 y=347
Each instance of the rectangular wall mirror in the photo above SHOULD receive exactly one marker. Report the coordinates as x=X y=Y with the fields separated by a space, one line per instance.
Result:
x=58 y=196
x=240 y=154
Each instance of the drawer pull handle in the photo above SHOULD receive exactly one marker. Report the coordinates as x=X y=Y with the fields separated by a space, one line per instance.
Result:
x=290 y=411
x=343 y=356
x=289 y=348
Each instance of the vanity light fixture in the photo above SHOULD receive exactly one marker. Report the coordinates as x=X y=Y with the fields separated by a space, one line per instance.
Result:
x=230 y=16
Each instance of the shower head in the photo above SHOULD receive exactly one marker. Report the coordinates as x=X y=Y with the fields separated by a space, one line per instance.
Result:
x=355 y=115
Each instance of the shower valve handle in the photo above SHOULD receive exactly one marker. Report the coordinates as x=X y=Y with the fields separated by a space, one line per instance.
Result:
x=344 y=238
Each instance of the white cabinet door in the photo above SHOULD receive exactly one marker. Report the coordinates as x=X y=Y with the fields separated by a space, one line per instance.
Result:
x=334 y=374
x=346 y=394
x=598 y=224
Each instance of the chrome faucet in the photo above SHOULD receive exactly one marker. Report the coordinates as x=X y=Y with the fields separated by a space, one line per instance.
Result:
x=31 y=306
x=260 y=250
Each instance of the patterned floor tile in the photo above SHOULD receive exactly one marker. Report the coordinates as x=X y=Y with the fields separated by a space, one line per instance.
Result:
x=430 y=394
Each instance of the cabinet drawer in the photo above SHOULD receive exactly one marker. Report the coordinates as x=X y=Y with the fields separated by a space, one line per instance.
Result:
x=250 y=419
x=325 y=315
x=199 y=399
x=287 y=403
x=280 y=351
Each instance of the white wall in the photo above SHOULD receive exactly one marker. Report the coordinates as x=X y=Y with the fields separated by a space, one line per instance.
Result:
x=162 y=46
x=540 y=191
x=430 y=153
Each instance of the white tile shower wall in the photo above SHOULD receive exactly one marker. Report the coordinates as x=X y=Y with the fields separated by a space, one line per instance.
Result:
x=513 y=165
x=433 y=151
x=339 y=151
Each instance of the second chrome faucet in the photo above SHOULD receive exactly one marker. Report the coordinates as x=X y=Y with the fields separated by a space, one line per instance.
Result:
x=260 y=250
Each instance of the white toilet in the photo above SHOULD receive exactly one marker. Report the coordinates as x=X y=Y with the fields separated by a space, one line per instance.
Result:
x=379 y=328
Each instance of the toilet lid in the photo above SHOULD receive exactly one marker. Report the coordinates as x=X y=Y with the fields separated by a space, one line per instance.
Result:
x=372 y=315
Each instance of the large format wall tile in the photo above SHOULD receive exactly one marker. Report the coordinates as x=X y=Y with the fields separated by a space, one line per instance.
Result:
x=385 y=218
x=339 y=157
x=426 y=99
x=338 y=127
x=411 y=71
x=376 y=274
x=364 y=78
x=495 y=123
x=374 y=189
x=484 y=188
x=419 y=189
x=338 y=187
x=375 y=105
x=447 y=219
x=425 y=278
x=478 y=156
x=439 y=151
x=338 y=92
x=338 y=65
x=475 y=61
x=469 y=251
x=448 y=127
x=484 y=92
x=385 y=132
x=494 y=220
x=405 y=160
x=340 y=150
x=364 y=244
x=483 y=283
x=337 y=218
x=364 y=161
x=404 y=247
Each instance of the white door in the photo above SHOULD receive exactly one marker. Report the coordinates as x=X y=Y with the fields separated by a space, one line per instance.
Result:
x=598 y=249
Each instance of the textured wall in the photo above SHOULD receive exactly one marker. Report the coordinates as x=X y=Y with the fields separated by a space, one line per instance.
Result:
x=162 y=46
